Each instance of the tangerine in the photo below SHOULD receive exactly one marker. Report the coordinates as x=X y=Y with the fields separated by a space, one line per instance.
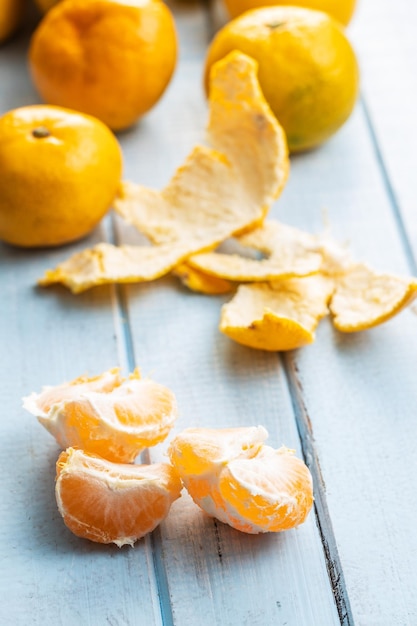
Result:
x=111 y=59
x=341 y=10
x=59 y=173
x=11 y=12
x=307 y=68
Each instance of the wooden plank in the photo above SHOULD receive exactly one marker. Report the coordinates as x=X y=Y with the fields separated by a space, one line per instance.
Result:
x=355 y=394
x=49 y=576
x=215 y=575
x=387 y=46
x=52 y=577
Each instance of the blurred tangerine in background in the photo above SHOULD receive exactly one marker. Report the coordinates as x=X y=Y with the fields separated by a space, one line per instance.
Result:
x=11 y=12
x=45 y=5
x=341 y=10
x=111 y=59
x=308 y=70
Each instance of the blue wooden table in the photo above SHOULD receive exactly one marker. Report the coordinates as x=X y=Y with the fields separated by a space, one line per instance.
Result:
x=347 y=402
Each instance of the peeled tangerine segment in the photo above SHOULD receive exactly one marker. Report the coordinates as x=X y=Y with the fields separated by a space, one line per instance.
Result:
x=254 y=489
x=113 y=502
x=41 y=404
x=198 y=450
x=117 y=422
x=277 y=316
x=218 y=191
x=291 y=252
x=363 y=298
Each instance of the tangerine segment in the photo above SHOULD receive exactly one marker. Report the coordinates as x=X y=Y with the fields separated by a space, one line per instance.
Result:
x=200 y=281
x=116 y=424
x=41 y=404
x=255 y=489
x=113 y=502
x=277 y=484
x=291 y=253
x=277 y=316
x=363 y=298
x=198 y=450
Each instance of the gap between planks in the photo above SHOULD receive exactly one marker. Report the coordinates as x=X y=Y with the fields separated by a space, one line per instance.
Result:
x=153 y=542
x=324 y=523
x=128 y=361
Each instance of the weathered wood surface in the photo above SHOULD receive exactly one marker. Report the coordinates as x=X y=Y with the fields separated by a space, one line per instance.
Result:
x=350 y=398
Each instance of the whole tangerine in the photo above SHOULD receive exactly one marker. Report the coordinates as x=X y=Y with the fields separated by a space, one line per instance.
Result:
x=341 y=10
x=45 y=5
x=109 y=58
x=11 y=12
x=59 y=173
x=308 y=70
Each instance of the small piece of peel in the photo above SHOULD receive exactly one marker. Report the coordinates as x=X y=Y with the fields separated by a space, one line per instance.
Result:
x=364 y=298
x=277 y=316
x=201 y=282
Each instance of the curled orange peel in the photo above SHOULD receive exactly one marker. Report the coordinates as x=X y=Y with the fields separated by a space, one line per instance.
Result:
x=364 y=298
x=291 y=252
x=218 y=192
x=201 y=282
x=277 y=316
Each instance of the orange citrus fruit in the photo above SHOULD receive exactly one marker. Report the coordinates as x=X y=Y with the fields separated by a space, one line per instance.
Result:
x=108 y=415
x=59 y=173
x=113 y=502
x=237 y=479
x=45 y=5
x=111 y=59
x=10 y=15
x=307 y=68
x=341 y=10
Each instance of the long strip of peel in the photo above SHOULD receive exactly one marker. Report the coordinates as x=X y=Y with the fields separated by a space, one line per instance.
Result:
x=291 y=252
x=218 y=192
x=364 y=298
x=106 y=264
x=277 y=316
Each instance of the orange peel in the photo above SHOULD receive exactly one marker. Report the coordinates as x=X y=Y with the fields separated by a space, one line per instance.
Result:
x=291 y=252
x=237 y=479
x=218 y=192
x=364 y=298
x=111 y=416
x=106 y=264
x=201 y=282
x=277 y=316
